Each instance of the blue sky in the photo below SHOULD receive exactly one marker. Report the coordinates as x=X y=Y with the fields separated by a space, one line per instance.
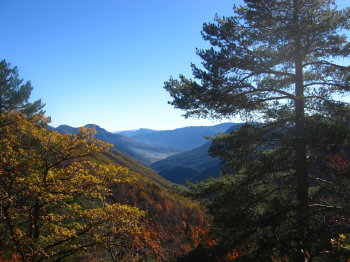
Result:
x=105 y=61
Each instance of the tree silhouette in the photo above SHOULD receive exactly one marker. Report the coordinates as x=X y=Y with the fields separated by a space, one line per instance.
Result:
x=277 y=62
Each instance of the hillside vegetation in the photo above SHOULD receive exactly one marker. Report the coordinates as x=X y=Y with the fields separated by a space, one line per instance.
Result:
x=178 y=224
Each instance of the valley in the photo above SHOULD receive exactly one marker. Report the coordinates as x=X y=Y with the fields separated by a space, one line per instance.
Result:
x=178 y=155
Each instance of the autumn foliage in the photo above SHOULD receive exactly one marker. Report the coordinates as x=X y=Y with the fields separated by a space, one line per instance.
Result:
x=176 y=224
x=53 y=201
x=60 y=197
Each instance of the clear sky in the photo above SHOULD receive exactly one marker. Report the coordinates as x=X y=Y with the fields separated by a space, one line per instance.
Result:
x=105 y=61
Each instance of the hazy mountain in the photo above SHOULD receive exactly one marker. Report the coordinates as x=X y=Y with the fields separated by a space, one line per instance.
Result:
x=164 y=155
x=182 y=139
x=131 y=133
x=194 y=165
x=197 y=158
x=146 y=154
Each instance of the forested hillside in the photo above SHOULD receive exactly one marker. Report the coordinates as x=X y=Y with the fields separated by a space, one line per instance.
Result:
x=177 y=224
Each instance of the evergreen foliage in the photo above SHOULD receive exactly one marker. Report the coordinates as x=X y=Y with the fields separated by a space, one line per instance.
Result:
x=14 y=95
x=276 y=62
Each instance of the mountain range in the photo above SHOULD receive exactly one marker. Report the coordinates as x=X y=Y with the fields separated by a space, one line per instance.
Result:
x=178 y=155
x=180 y=139
x=144 y=153
x=192 y=166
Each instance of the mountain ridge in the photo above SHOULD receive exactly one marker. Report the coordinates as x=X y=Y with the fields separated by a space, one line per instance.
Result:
x=172 y=163
x=180 y=139
x=193 y=165
x=144 y=153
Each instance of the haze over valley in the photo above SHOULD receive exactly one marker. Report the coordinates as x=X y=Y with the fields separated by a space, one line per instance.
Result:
x=178 y=155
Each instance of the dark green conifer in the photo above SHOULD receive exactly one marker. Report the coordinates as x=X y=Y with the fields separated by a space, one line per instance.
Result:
x=283 y=63
x=14 y=94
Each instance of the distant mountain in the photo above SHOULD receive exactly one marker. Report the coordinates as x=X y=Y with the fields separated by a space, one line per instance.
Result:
x=64 y=129
x=131 y=133
x=164 y=151
x=181 y=139
x=194 y=165
x=146 y=154
x=197 y=158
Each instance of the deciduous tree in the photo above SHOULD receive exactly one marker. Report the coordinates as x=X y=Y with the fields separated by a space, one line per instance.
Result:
x=54 y=197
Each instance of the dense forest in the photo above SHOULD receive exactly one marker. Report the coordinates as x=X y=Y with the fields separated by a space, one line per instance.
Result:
x=283 y=193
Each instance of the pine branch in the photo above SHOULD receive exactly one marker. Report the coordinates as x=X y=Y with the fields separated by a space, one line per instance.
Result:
x=347 y=68
x=326 y=84
x=259 y=90
x=325 y=206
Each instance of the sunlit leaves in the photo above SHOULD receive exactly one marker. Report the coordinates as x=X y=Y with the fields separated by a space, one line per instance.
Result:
x=53 y=200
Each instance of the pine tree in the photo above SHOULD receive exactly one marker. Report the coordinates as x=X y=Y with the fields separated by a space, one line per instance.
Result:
x=14 y=95
x=276 y=61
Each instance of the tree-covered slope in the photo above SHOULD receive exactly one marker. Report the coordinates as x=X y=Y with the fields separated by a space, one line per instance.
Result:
x=177 y=223
x=135 y=166
x=179 y=174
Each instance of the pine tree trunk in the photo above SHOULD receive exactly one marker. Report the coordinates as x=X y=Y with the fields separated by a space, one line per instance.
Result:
x=301 y=170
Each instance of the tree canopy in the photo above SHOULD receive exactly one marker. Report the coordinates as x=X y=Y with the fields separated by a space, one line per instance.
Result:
x=54 y=200
x=278 y=63
x=261 y=53
x=14 y=94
